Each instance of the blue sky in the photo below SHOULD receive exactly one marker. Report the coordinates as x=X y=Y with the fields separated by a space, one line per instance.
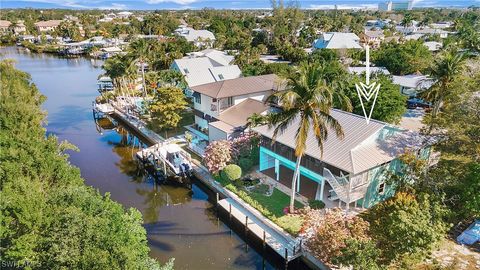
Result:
x=218 y=4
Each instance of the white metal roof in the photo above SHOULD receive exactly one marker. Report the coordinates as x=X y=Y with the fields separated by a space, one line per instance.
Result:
x=365 y=146
x=193 y=35
x=361 y=70
x=413 y=81
x=337 y=40
x=201 y=70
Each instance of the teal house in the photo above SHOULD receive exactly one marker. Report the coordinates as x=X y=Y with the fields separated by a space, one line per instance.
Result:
x=352 y=171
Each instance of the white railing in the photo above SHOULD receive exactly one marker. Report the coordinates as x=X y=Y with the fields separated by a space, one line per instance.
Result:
x=339 y=184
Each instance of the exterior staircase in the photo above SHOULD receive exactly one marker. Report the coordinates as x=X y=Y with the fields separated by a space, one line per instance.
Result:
x=341 y=186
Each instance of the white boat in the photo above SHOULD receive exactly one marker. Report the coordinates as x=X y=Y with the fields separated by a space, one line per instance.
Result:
x=104 y=84
x=104 y=108
x=169 y=157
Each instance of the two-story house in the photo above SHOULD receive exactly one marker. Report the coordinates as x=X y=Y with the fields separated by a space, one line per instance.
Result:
x=206 y=66
x=4 y=26
x=372 y=38
x=222 y=108
x=47 y=26
x=352 y=171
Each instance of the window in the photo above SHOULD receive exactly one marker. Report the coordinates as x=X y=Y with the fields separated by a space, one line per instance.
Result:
x=197 y=97
x=229 y=101
x=381 y=188
x=220 y=76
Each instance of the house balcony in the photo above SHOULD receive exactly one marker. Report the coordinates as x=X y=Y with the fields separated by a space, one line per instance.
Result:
x=199 y=139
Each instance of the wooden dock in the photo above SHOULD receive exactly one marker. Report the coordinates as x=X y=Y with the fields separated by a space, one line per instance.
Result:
x=286 y=248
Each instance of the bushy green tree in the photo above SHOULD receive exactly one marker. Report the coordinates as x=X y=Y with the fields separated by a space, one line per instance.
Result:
x=389 y=106
x=406 y=225
x=167 y=107
x=403 y=58
x=232 y=172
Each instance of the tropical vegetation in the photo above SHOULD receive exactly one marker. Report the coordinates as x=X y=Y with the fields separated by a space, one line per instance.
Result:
x=50 y=218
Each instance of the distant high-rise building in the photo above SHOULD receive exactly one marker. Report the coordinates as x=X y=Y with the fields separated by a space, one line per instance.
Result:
x=395 y=5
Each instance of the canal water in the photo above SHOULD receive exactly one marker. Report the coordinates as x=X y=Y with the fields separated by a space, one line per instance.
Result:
x=180 y=223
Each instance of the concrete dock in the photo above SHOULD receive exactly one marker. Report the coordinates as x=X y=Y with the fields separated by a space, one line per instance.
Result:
x=286 y=248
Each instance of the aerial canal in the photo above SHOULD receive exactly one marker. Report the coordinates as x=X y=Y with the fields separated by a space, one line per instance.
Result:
x=180 y=223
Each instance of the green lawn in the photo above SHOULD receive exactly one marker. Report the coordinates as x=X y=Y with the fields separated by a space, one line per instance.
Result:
x=270 y=206
x=276 y=202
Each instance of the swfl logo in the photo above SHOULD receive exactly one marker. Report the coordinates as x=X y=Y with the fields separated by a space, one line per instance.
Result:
x=366 y=91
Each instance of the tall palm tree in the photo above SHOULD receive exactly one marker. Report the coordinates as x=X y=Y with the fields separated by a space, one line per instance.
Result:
x=139 y=51
x=309 y=98
x=444 y=71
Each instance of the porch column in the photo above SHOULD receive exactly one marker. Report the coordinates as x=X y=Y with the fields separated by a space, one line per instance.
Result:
x=322 y=188
x=277 y=170
x=298 y=182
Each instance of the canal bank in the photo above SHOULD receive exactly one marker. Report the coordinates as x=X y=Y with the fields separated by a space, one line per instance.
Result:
x=180 y=223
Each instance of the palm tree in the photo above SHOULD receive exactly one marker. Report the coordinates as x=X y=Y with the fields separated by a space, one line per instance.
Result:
x=309 y=98
x=139 y=50
x=407 y=20
x=444 y=71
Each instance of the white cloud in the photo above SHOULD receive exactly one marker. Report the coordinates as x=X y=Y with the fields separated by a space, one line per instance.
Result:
x=81 y=4
x=362 y=6
x=180 y=2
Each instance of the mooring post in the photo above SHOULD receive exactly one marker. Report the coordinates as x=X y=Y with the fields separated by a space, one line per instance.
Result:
x=246 y=224
x=264 y=237
x=230 y=212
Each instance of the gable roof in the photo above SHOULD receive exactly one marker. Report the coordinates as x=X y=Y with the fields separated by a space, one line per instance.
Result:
x=337 y=40
x=365 y=146
x=202 y=70
x=237 y=115
x=5 y=23
x=239 y=86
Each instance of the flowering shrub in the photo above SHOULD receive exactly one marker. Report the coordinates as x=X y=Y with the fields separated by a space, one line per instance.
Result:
x=328 y=231
x=217 y=155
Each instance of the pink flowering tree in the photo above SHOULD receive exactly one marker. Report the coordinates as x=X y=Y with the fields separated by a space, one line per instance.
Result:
x=245 y=144
x=217 y=155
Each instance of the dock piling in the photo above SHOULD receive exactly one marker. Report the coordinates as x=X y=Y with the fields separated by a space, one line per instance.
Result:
x=230 y=212
x=264 y=238
x=246 y=224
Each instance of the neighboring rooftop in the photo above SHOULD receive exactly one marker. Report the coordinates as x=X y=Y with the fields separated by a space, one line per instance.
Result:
x=202 y=70
x=361 y=70
x=194 y=35
x=50 y=23
x=433 y=45
x=240 y=86
x=4 y=24
x=374 y=34
x=219 y=57
x=337 y=40
x=413 y=81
